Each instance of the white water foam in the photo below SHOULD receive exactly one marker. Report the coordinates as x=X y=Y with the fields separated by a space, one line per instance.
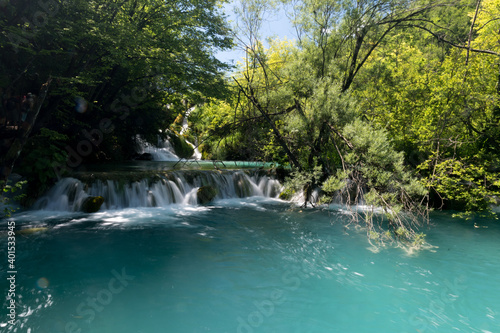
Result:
x=163 y=152
x=177 y=187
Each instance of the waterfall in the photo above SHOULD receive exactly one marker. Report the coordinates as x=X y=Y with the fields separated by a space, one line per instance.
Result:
x=197 y=153
x=185 y=127
x=176 y=187
x=162 y=152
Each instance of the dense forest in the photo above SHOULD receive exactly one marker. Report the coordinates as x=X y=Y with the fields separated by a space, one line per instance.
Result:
x=392 y=102
x=111 y=70
x=395 y=104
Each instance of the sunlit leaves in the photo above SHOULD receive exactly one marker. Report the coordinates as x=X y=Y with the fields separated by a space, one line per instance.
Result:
x=467 y=186
x=488 y=26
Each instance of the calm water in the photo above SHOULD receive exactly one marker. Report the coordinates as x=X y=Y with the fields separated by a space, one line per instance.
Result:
x=246 y=265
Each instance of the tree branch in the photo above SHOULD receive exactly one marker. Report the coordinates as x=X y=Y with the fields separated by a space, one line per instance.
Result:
x=470 y=32
x=17 y=143
x=441 y=39
x=334 y=130
x=276 y=132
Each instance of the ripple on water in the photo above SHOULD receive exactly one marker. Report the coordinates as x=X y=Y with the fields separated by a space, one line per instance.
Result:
x=242 y=266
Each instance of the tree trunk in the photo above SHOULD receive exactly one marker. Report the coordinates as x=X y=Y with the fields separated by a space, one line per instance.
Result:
x=271 y=123
x=498 y=82
x=354 y=59
x=278 y=135
x=13 y=141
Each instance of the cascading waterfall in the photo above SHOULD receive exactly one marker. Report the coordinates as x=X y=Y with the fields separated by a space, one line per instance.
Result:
x=177 y=187
x=162 y=152
x=185 y=127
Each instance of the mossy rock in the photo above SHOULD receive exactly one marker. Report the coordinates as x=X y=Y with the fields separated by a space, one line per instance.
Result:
x=287 y=194
x=181 y=147
x=143 y=157
x=92 y=204
x=206 y=194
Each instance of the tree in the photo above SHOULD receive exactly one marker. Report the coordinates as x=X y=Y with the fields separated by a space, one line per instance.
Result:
x=383 y=101
x=440 y=108
x=14 y=140
x=316 y=123
x=322 y=118
x=117 y=62
x=342 y=35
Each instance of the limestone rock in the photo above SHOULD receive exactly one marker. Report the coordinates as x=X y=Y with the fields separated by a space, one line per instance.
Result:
x=92 y=204
x=206 y=194
x=143 y=157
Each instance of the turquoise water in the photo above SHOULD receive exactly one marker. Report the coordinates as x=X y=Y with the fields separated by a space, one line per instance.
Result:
x=143 y=166
x=246 y=265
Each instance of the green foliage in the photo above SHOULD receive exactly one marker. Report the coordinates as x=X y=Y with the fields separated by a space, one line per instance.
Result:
x=336 y=182
x=375 y=160
x=181 y=147
x=380 y=178
x=116 y=62
x=440 y=105
x=42 y=152
x=419 y=239
x=287 y=194
x=300 y=180
x=466 y=186
x=300 y=98
x=11 y=193
x=212 y=122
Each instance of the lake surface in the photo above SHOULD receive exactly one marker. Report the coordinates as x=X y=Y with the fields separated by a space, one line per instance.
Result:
x=246 y=265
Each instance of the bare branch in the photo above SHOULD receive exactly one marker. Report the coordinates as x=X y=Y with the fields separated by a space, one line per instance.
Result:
x=441 y=39
x=276 y=132
x=470 y=32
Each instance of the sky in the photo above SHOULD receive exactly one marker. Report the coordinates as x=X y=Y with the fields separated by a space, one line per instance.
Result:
x=276 y=25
